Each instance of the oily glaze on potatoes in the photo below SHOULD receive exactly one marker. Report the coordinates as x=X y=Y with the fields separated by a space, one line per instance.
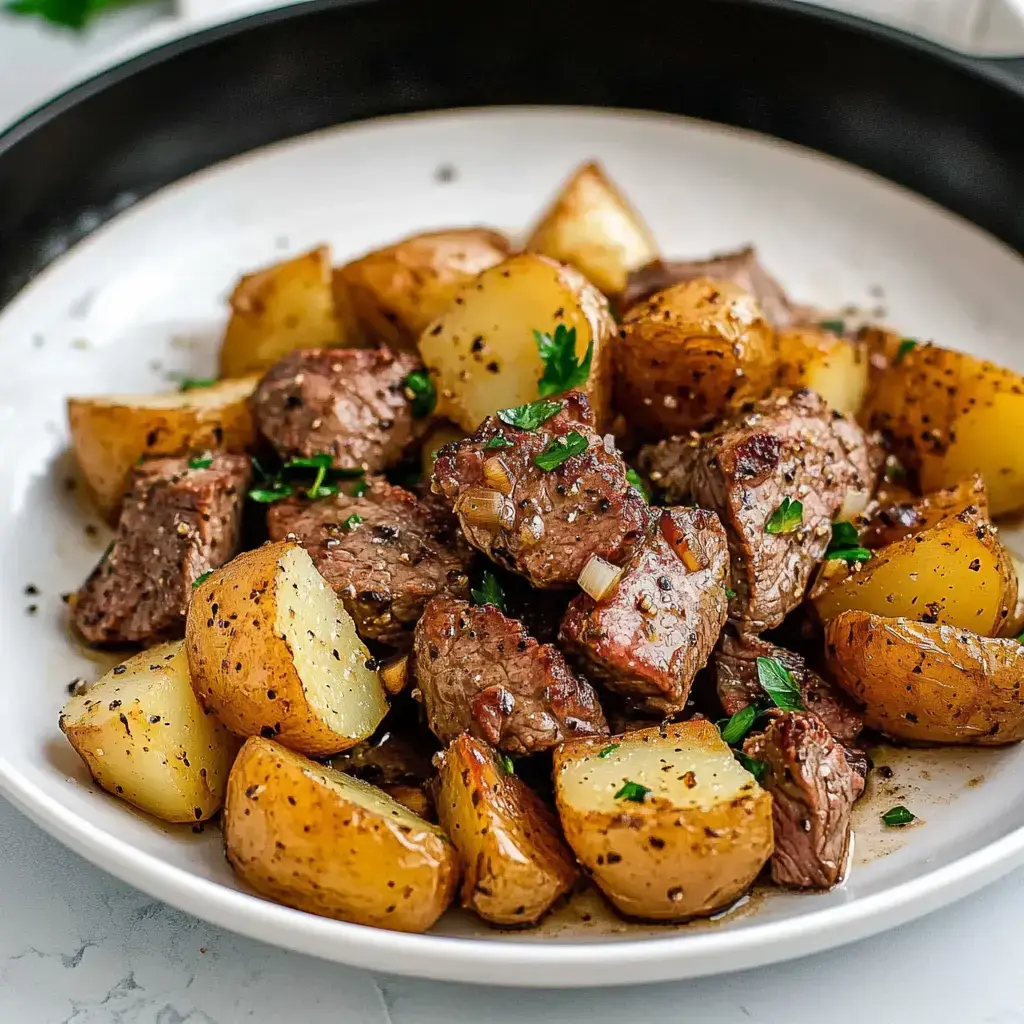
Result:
x=690 y=355
x=956 y=573
x=481 y=352
x=594 y=228
x=399 y=290
x=836 y=368
x=690 y=845
x=315 y=839
x=929 y=683
x=515 y=862
x=144 y=737
x=273 y=652
x=110 y=433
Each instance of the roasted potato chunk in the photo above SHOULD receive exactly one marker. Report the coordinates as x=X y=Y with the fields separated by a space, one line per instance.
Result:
x=144 y=737
x=315 y=839
x=111 y=433
x=955 y=573
x=666 y=819
x=397 y=291
x=909 y=515
x=1014 y=624
x=516 y=864
x=690 y=355
x=926 y=682
x=482 y=354
x=836 y=368
x=274 y=653
x=594 y=228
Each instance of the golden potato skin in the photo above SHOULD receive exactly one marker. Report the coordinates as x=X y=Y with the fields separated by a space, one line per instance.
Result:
x=836 y=368
x=315 y=839
x=593 y=227
x=515 y=862
x=111 y=433
x=929 y=683
x=397 y=291
x=690 y=355
x=658 y=861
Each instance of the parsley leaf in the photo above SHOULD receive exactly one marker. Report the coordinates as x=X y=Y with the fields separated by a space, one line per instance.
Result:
x=907 y=345
x=835 y=326
x=201 y=579
x=1020 y=639
x=321 y=461
x=560 y=449
x=730 y=593
x=562 y=372
x=632 y=791
x=756 y=768
x=420 y=391
x=786 y=518
x=737 y=727
x=507 y=764
x=353 y=520
x=196 y=383
x=489 y=592
x=498 y=441
x=898 y=816
x=845 y=544
x=204 y=461
x=69 y=13
x=605 y=751
x=274 y=490
x=531 y=416
x=635 y=480
x=778 y=682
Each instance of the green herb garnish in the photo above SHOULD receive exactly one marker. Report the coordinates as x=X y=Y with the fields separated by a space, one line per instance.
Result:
x=730 y=593
x=359 y=488
x=632 y=791
x=560 y=449
x=201 y=579
x=498 y=441
x=507 y=764
x=845 y=544
x=835 y=326
x=898 y=816
x=737 y=727
x=906 y=345
x=420 y=391
x=778 y=682
x=786 y=518
x=894 y=472
x=196 y=383
x=634 y=479
x=68 y=13
x=605 y=751
x=204 y=461
x=756 y=768
x=274 y=490
x=489 y=592
x=322 y=460
x=353 y=520
x=562 y=371
x=530 y=416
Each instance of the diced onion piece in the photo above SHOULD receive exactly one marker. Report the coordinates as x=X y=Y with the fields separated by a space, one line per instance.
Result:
x=599 y=578
x=395 y=675
x=854 y=504
x=496 y=474
x=483 y=507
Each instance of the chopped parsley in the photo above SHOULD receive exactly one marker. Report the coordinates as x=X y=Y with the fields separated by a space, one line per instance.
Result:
x=321 y=461
x=353 y=520
x=196 y=383
x=632 y=791
x=489 y=592
x=907 y=345
x=420 y=391
x=736 y=728
x=778 y=682
x=530 y=416
x=786 y=518
x=730 y=593
x=845 y=544
x=755 y=767
x=898 y=816
x=201 y=579
x=507 y=764
x=285 y=482
x=605 y=751
x=562 y=371
x=498 y=441
x=635 y=480
x=274 y=490
x=204 y=461
x=1020 y=638
x=835 y=326
x=560 y=449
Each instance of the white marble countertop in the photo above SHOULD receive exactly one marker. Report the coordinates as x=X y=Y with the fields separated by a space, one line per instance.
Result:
x=76 y=946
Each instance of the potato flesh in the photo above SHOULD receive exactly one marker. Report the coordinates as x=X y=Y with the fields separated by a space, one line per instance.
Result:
x=145 y=738
x=835 y=368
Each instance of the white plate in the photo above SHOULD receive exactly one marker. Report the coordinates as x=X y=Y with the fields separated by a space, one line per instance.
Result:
x=143 y=297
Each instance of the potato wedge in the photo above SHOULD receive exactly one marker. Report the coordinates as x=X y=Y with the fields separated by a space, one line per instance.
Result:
x=667 y=821
x=837 y=368
x=955 y=573
x=440 y=434
x=926 y=682
x=516 y=864
x=145 y=738
x=315 y=839
x=396 y=292
x=948 y=415
x=481 y=352
x=110 y=433
x=273 y=652
x=1014 y=624
x=691 y=354
x=283 y=307
x=594 y=228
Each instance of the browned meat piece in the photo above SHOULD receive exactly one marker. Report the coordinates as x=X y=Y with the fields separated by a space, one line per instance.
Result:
x=786 y=448
x=738 y=684
x=741 y=268
x=542 y=523
x=813 y=790
x=480 y=672
x=648 y=638
x=386 y=554
x=348 y=402
x=176 y=523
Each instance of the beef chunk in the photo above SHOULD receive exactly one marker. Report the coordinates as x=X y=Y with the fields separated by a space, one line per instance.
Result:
x=542 y=523
x=386 y=554
x=788 y=446
x=348 y=402
x=648 y=638
x=480 y=672
x=741 y=268
x=813 y=790
x=176 y=523
x=738 y=684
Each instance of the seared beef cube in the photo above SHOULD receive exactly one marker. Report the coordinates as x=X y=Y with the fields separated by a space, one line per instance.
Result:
x=648 y=638
x=739 y=685
x=386 y=554
x=176 y=523
x=543 y=523
x=813 y=788
x=787 y=448
x=480 y=672
x=350 y=403
x=741 y=268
